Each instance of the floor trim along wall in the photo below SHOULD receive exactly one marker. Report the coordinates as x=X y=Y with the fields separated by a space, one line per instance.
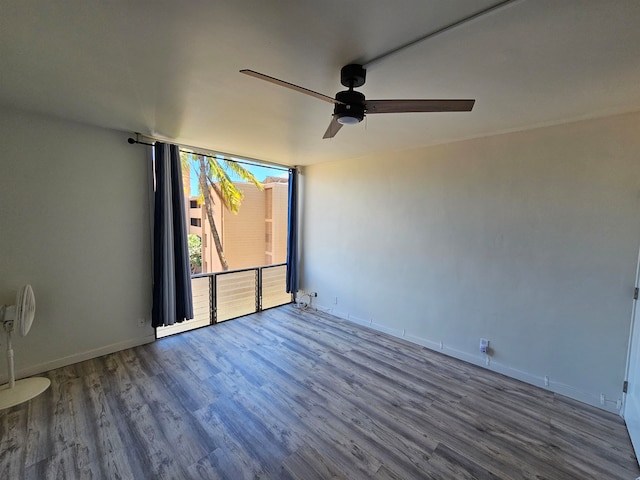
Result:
x=481 y=361
x=79 y=357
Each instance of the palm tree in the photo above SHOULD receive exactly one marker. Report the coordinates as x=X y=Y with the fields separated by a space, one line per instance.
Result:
x=214 y=175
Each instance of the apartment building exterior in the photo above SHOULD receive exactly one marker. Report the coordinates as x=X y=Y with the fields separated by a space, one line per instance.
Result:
x=255 y=236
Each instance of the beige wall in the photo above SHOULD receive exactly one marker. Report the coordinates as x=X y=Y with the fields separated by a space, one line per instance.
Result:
x=529 y=239
x=244 y=232
x=279 y=218
x=74 y=211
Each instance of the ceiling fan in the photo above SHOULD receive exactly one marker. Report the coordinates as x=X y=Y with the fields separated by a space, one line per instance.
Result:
x=350 y=106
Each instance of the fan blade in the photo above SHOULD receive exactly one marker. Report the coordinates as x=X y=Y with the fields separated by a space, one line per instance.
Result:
x=333 y=128
x=291 y=86
x=405 y=106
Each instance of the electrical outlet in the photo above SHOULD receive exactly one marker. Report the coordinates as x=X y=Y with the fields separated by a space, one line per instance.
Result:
x=335 y=300
x=546 y=381
x=602 y=399
x=484 y=345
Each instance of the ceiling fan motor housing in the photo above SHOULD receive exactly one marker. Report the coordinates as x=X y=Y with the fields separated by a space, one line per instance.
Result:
x=351 y=111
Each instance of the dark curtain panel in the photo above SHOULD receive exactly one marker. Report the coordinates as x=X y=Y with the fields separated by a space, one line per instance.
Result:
x=171 y=273
x=292 y=235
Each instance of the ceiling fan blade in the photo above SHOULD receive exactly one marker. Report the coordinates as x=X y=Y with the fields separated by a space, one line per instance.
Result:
x=291 y=86
x=404 y=106
x=333 y=128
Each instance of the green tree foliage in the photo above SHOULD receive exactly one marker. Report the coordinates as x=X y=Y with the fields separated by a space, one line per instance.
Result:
x=217 y=175
x=195 y=250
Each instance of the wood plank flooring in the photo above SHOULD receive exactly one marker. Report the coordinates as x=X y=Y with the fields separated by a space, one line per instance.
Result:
x=290 y=394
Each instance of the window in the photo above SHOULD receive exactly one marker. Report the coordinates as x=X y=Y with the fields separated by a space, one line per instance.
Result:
x=268 y=236
x=252 y=234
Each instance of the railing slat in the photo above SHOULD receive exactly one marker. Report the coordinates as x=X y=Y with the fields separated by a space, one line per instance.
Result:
x=222 y=296
x=274 y=287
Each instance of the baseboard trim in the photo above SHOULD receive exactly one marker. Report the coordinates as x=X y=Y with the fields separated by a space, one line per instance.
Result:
x=480 y=360
x=78 y=357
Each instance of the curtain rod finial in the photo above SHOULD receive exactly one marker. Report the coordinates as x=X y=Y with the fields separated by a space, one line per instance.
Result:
x=131 y=141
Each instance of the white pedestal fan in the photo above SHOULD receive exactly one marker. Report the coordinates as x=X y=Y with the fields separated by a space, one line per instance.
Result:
x=19 y=317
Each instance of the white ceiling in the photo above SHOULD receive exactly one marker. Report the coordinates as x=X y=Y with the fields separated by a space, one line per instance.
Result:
x=170 y=68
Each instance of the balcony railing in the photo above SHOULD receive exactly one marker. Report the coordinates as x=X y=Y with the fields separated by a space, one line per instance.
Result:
x=221 y=296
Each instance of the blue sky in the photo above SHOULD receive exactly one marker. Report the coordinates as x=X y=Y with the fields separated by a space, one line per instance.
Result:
x=260 y=172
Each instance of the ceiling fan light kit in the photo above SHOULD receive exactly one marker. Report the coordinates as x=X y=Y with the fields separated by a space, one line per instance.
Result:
x=350 y=107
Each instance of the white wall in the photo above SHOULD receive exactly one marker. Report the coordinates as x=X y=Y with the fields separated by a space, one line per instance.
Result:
x=529 y=239
x=74 y=223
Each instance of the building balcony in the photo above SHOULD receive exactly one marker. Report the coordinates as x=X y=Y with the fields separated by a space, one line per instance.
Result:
x=222 y=296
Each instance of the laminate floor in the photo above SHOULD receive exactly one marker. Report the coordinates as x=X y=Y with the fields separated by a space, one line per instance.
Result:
x=290 y=394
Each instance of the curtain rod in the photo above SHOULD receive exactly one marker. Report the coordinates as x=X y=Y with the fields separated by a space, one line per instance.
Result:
x=217 y=155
